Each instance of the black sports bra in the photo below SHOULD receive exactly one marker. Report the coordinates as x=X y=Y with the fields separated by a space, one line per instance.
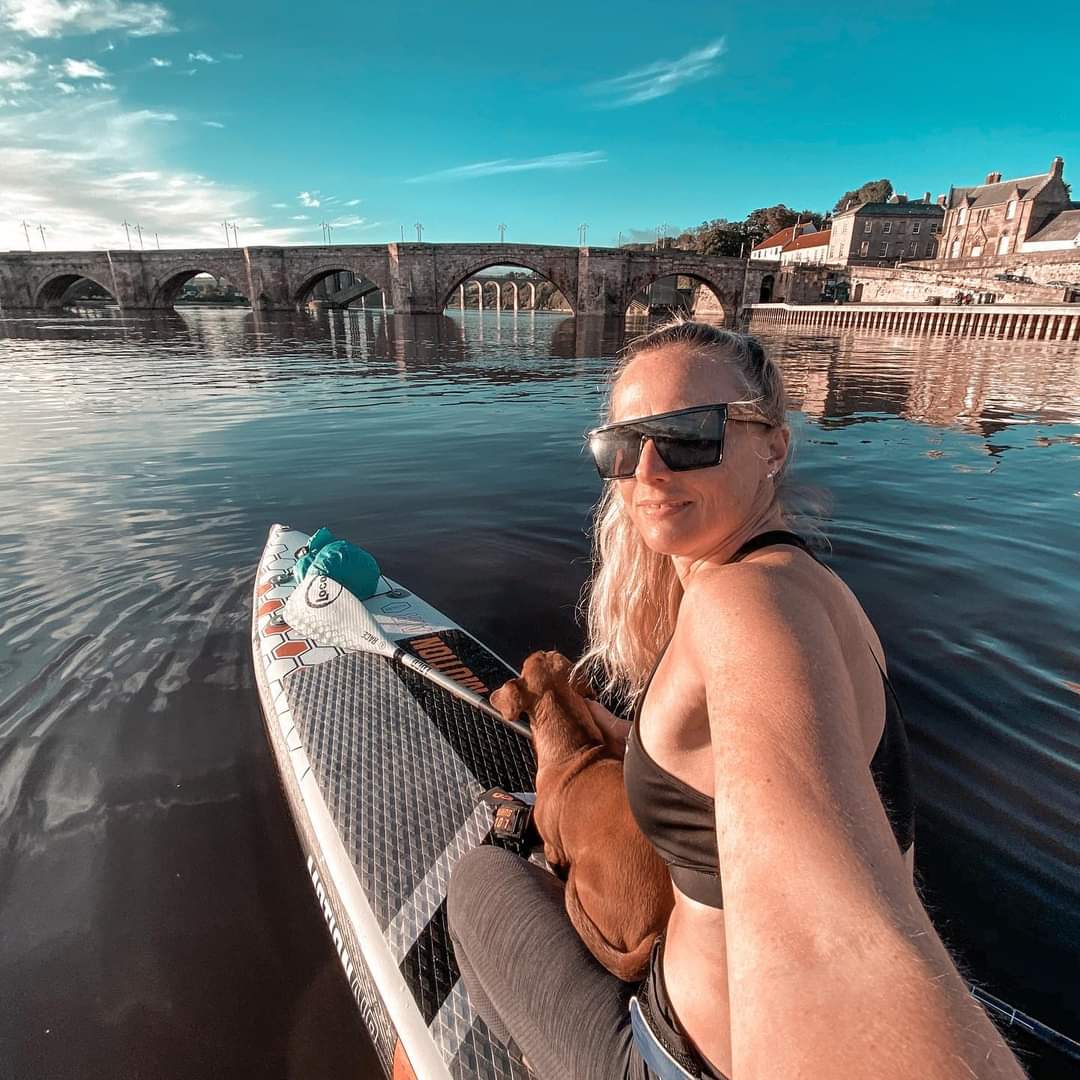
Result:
x=679 y=821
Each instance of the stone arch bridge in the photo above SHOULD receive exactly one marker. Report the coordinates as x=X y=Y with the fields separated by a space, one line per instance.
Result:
x=414 y=278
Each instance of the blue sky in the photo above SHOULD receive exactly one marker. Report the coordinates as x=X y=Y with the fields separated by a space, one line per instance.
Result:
x=177 y=116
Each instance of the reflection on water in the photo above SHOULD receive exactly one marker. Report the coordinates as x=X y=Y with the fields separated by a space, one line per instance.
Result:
x=150 y=885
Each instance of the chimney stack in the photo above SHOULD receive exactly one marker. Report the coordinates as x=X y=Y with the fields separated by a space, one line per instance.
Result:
x=942 y=200
x=926 y=197
x=1056 y=166
x=993 y=178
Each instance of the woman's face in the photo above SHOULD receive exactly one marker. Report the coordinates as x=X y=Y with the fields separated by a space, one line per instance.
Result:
x=694 y=513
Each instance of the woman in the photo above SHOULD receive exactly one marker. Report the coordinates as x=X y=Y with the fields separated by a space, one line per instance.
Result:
x=765 y=760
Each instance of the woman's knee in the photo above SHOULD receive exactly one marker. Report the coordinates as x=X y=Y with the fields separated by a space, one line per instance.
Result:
x=492 y=890
x=478 y=876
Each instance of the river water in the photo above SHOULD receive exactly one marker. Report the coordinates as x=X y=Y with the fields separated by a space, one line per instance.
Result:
x=155 y=917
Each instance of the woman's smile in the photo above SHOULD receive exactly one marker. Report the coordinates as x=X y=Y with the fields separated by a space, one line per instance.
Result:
x=654 y=509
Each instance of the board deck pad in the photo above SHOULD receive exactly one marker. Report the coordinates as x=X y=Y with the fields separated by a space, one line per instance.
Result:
x=398 y=765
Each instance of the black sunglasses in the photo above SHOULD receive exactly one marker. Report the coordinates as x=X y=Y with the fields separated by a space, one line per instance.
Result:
x=685 y=439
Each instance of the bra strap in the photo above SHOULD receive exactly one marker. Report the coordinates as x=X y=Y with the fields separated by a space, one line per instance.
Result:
x=766 y=539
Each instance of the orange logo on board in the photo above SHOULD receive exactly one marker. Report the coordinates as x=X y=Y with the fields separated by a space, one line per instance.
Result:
x=434 y=651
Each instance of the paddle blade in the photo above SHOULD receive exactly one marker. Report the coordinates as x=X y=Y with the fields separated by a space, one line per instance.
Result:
x=324 y=610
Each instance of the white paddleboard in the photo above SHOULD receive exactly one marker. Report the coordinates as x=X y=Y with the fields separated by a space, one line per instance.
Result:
x=383 y=770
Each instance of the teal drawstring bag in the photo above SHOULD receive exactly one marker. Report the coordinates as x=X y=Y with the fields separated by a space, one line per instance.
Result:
x=341 y=560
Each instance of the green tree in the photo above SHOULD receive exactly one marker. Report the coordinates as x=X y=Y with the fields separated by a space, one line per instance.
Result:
x=768 y=220
x=871 y=191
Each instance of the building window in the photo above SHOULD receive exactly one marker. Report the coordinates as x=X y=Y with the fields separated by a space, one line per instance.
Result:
x=976 y=250
x=934 y=227
x=864 y=249
x=884 y=249
x=867 y=226
x=954 y=252
x=916 y=227
x=887 y=227
x=1003 y=245
x=962 y=218
x=1010 y=210
x=914 y=248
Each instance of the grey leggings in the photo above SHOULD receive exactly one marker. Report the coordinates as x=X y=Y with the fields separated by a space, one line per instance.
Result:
x=530 y=977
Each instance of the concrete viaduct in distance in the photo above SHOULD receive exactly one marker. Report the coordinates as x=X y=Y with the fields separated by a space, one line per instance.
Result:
x=414 y=278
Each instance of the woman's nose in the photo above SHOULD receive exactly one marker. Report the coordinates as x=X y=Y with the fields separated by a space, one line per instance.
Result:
x=650 y=464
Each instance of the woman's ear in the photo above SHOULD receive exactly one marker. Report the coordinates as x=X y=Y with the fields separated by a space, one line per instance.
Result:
x=779 y=441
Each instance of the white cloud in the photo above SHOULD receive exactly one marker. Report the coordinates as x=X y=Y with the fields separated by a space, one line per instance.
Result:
x=348 y=222
x=52 y=18
x=299 y=217
x=212 y=123
x=309 y=198
x=82 y=164
x=201 y=57
x=104 y=86
x=65 y=88
x=353 y=202
x=280 y=205
x=16 y=65
x=571 y=160
x=144 y=116
x=660 y=78
x=160 y=61
x=83 y=69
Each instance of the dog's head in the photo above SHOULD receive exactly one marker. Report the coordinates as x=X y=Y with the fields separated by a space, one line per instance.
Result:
x=549 y=693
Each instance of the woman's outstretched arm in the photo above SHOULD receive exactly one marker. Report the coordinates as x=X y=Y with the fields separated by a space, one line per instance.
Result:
x=834 y=967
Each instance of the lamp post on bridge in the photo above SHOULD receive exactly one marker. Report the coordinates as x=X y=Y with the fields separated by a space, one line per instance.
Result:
x=41 y=229
x=502 y=234
x=236 y=235
x=419 y=232
x=26 y=230
x=225 y=226
x=157 y=241
x=127 y=233
x=138 y=229
x=403 y=234
x=582 y=233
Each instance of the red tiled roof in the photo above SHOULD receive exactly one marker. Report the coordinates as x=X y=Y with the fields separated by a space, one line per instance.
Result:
x=808 y=240
x=784 y=236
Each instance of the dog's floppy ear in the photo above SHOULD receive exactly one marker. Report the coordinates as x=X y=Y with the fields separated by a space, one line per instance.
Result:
x=580 y=684
x=558 y=666
x=512 y=699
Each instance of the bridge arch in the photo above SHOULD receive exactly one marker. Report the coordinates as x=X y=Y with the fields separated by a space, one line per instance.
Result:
x=568 y=293
x=51 y=292
x=359 y=284
x=166 y=290
x=726 y=293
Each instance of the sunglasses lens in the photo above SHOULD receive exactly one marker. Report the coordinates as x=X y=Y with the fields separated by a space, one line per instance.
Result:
x=693 y=440
x=615 y=453
x=681 y=454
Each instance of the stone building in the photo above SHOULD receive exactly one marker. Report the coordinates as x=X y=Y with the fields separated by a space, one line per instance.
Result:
x=875 y=232
x=1001 y=217
x=770 y=248
x=809 y=249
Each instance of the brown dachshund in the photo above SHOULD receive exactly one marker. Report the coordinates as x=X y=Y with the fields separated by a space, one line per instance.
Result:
x=618 y=891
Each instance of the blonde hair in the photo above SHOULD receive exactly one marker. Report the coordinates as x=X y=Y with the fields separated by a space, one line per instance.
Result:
x=632 y=599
